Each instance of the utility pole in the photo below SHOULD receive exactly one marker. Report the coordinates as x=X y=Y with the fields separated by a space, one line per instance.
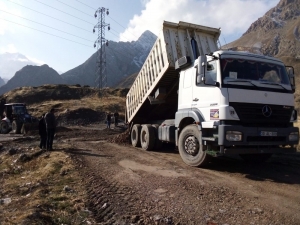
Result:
x=101 y=78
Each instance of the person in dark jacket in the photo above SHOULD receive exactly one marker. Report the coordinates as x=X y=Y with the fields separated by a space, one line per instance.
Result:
x=116 y=115
x=42 y=132
x=50 y=126
x=108 y=120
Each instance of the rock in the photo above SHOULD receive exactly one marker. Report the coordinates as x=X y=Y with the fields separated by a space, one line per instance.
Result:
x=135 y=218
x=5 y=201
x=24 y=157
x=105 y=205
x=12 y=151
x=157 y=217
x=67 y=188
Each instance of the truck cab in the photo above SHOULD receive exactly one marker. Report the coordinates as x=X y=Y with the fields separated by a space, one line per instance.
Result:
x=242 y=103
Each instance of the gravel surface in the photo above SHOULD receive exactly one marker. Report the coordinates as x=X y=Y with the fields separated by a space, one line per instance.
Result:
x=127 y=185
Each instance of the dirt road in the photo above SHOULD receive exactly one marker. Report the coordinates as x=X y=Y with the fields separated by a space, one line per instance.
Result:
x=124 y=185
x=127 y=185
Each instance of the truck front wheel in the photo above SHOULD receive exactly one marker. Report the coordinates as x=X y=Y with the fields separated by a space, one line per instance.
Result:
x=135 y=135
x=191 y=148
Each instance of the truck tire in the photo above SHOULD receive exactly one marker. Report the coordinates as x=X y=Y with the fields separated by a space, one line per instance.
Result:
x=256 y=158
x=135 y=135
x=147 y=137
x=4 y=128
x=190 y=148
x=16 y=127
x=158 y=143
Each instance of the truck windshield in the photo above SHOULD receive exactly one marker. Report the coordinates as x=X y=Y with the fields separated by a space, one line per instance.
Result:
x=237 y=69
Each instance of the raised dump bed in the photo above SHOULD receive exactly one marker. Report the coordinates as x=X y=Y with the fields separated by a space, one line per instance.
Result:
x=153 y=95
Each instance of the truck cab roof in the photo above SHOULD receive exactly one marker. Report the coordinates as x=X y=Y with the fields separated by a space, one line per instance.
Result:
x=245 y=54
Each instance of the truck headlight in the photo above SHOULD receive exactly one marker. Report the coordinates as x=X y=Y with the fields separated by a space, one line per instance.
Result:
x=294 y=136
x=294 y=116
x=234 y=136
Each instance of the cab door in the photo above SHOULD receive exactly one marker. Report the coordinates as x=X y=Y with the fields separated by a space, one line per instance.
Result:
x=206 y=94
x=185 y=95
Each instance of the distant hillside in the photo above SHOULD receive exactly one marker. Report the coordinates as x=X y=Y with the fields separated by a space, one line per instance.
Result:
x=10 y=63
x=122 y=60
x=2 y=82
x=79 y=102
x=276 y=33
x=32 y=76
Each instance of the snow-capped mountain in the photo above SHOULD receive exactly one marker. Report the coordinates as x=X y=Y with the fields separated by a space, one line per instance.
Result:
x=10 y=63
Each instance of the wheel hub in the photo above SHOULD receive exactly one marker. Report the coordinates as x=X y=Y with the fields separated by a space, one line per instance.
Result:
x=191 y=145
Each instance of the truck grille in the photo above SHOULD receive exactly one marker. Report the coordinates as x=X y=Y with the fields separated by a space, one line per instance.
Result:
x=255 y=114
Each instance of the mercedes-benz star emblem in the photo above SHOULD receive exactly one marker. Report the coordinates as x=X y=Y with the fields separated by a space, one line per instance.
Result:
x=266 y=111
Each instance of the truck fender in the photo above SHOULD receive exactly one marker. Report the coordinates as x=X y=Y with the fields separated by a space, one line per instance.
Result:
x=186 y=117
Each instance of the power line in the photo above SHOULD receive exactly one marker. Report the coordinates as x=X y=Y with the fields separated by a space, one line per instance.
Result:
x=85 y=4
x=73 y=8
x=47 y=26
x=45 y=32
x=50 y=16
x=63 y=12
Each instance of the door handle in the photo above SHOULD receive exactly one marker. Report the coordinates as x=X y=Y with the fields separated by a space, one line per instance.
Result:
x=195 y=99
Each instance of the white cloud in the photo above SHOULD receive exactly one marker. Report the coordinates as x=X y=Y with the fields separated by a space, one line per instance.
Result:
x=6 y=14
x=37 y=61
x=233 y=16
x=10 y=48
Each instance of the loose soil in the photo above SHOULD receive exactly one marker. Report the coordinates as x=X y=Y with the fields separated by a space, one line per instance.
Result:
x=94 y=176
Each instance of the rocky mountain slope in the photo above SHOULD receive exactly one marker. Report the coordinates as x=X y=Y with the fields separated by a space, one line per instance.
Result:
x=275 y=34
x=122 y=59
x=2 y=82
x=32 y=76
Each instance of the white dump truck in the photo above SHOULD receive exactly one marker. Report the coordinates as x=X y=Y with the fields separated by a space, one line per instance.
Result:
x=211 y=102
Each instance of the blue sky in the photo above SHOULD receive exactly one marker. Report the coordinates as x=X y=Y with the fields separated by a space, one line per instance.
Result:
x=60 y=32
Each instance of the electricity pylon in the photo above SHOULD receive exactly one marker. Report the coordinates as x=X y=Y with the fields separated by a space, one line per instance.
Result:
x=101 y=77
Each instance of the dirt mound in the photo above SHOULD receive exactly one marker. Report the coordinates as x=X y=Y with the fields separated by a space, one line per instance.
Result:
x=123 y=138
x=81 y=116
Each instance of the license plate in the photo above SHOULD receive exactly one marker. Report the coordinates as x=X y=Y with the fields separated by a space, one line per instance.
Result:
x=268 y=133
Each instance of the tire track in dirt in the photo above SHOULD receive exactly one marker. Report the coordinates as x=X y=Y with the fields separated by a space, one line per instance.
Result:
x=109 y=201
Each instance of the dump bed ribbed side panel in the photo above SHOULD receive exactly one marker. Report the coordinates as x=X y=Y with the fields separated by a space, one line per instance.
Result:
x=174 y=42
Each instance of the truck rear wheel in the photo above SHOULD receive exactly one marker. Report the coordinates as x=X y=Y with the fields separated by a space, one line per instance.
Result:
x=16 y=127
x=256 y=158
x=147 y=137
x=190 y=148
x=135 y=135
x=4 y=128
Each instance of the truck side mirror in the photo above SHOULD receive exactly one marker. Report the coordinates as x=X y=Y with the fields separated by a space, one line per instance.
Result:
x=202 y=62
x=290 y=71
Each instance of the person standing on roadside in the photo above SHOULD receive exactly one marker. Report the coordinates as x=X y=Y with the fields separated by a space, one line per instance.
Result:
x=108 y=120
x=116 y=115
x=50 y=126
x=42 y=132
